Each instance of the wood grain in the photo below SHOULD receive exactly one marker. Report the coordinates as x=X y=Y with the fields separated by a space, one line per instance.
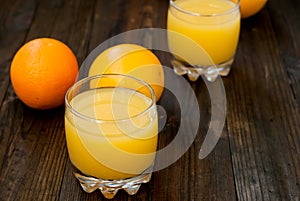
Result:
x=264 y=135
x=258 y=155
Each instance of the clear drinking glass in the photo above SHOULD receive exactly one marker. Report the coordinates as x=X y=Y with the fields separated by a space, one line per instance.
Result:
x=213 y=24
x=111 y=129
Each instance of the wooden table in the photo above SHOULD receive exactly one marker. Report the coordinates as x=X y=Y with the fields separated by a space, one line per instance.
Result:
x=258 y=155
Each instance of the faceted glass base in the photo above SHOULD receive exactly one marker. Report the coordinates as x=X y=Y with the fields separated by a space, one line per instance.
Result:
x=193 y=72
x=109 y=188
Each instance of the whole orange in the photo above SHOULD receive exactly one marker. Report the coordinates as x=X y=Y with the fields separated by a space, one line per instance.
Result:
x=250 y=7
x=41 y=72
x=131 y=59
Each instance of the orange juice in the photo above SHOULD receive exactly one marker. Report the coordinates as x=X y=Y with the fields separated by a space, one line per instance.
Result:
x=120 y=142
x=212 y=24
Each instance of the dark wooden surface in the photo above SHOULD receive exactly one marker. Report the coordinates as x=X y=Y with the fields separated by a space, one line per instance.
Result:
x=258 y=155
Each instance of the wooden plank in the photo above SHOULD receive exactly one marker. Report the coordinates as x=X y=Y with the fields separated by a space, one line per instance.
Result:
x=4 y=81
x=286 y=26
x=264 y=136
x=15 y=18
x=213 y=177
x=109 y=21
x=33 y=155
x=33 y=143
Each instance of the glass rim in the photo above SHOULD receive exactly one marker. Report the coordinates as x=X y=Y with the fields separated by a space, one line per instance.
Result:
x=237 y=5
x=90 y=119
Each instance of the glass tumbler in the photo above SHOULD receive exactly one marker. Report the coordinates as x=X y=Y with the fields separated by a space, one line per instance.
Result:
x=111 y=129
x=212 y=24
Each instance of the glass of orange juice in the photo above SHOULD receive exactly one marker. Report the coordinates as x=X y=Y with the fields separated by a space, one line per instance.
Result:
x=111 y=129
x=213 y=24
